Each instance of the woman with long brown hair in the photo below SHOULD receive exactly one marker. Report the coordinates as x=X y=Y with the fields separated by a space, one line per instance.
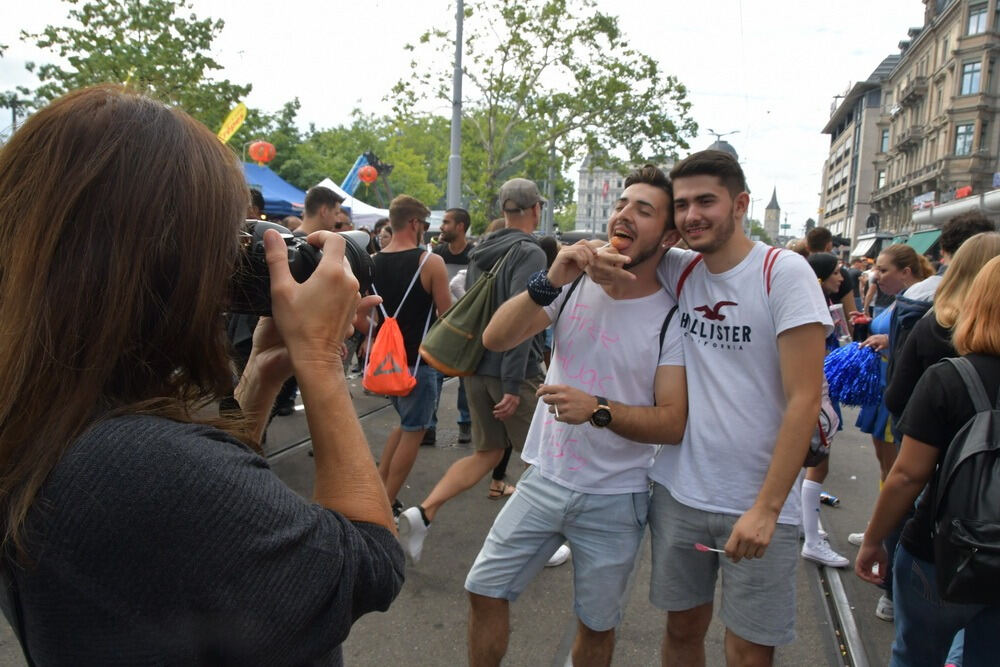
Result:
x=135 y=529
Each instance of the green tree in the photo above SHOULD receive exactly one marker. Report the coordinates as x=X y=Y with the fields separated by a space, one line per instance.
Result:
x=756 y=229
x=566 y=217
x=156 y=46
x=544 y=76
x=419 y=162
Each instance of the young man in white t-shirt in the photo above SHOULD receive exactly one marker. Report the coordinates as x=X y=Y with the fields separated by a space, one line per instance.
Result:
x=754 y=322
x=587 y=483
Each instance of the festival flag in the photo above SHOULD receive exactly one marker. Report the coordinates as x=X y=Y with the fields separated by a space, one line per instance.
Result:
x=350 y=183
x=233 y=122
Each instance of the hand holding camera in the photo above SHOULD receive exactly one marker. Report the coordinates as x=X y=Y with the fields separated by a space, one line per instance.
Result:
x=315 y=316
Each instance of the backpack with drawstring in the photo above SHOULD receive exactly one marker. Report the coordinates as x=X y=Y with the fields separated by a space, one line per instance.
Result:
x=386 y=369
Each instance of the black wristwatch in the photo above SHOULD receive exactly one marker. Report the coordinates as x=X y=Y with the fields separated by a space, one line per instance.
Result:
x=601 y=416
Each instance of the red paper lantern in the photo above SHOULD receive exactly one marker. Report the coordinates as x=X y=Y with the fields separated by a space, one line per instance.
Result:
x=367 y=174
x=262 y=151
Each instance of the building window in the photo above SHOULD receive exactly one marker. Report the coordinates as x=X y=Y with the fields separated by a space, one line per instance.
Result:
x=983 y=134
x=963 y=139
x=977 y=19
x=970 y=77
x=884 y=146
x=880 y=183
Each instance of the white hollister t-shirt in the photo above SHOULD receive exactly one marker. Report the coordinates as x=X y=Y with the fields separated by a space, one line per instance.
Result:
x=608 y=348
x=736 y=401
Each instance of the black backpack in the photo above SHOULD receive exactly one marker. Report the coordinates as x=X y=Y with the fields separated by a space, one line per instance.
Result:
x=966 y=504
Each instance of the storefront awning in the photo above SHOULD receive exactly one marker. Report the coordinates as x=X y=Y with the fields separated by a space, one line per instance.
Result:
x=863 y=247
x=923 y=241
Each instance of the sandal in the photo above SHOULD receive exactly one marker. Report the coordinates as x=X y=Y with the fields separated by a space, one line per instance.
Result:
x=502 y=492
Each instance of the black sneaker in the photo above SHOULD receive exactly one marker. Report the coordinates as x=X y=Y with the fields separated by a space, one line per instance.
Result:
x=430 y=437
x=465 y=433
x=397 y=508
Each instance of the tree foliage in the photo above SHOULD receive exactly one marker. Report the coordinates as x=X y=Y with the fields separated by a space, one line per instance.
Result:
x=150 y=45
x=757 y=229
x=551 y=74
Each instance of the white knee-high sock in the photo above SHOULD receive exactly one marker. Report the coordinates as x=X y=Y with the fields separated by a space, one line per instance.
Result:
x=810 y=511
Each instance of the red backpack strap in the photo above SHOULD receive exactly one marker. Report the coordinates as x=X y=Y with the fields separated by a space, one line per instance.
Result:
x=685 y=273
x=769 y=259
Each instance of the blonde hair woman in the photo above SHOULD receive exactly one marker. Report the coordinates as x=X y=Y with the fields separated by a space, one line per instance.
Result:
x=939 y=407
x=930 y=340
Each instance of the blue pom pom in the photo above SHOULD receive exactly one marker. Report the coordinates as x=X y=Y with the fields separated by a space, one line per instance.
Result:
x=854 y=375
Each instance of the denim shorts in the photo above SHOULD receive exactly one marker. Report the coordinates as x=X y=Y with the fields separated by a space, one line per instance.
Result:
x=416 y=409
x=604 y=533
x=758 y=595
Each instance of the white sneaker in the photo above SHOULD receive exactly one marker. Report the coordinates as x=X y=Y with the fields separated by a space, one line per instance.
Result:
x=822 y=553
x=885 y=609
x=856 y=539
x=412 y=532
x=559 y=557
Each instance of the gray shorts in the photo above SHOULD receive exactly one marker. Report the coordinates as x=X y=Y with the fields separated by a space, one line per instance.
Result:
x=604 y=533
x=758 y=595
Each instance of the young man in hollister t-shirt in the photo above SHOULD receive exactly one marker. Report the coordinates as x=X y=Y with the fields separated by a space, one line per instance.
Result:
x=754 y=323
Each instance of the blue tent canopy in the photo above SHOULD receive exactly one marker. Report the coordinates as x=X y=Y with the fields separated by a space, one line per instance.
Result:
x=280 y=198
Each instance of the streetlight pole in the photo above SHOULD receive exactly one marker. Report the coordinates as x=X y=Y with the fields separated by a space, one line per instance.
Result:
x=454 y=194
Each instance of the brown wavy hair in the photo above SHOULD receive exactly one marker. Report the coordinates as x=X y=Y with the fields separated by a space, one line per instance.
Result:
x=903 y=256
x=118 y=236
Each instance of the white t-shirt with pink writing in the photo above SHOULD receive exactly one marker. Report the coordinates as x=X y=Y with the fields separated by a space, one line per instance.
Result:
x=608 y=348
x=736 y=401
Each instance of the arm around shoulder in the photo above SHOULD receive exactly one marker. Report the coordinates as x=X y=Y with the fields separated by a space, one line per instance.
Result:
x=660 y=424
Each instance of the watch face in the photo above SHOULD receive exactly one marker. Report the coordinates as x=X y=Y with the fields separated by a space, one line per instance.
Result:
x=601 y=417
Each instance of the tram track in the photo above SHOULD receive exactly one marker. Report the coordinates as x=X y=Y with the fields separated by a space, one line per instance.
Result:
x=845 y=633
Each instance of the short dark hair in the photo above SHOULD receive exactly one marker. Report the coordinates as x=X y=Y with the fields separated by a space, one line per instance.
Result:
x=257 y=199
x=404 y=208
x=461 y=216
x=320 y=196
x=720 y=164
x=650 y=174
x=550 y=245
x=817 y=238
x=961 y=228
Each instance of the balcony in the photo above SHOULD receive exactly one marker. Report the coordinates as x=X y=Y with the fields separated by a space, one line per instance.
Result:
x=913 y=91
x=909 y=138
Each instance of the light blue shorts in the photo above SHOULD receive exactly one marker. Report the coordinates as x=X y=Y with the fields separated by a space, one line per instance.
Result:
x=416 y=409
x=758 y=595
x=604 y=533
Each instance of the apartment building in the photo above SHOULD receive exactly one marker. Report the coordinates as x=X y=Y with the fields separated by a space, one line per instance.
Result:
x=598 y=189
x=849 y=172
x=937 y=131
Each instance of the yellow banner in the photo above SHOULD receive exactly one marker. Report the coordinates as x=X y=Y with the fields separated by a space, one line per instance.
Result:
x=233 y=122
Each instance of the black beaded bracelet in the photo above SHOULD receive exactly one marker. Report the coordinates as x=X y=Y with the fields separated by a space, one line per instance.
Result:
x=541 y=290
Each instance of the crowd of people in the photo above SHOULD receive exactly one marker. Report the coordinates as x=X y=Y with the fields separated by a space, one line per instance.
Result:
x=140 y=526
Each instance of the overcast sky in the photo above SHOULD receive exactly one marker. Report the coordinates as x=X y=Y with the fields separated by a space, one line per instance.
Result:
x=767 y=69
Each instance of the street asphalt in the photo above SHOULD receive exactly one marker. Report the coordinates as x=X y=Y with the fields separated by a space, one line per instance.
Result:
x=427 y=623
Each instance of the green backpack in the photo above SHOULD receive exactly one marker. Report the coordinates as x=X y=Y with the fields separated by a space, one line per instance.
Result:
x=454 y=343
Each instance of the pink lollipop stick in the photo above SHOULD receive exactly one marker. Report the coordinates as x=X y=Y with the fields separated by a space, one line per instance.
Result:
x=701 y=547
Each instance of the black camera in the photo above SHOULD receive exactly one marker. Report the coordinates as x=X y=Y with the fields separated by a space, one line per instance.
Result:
x=250 y=287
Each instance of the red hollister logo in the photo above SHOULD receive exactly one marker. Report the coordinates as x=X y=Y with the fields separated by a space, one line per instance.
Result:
x=712 y=313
